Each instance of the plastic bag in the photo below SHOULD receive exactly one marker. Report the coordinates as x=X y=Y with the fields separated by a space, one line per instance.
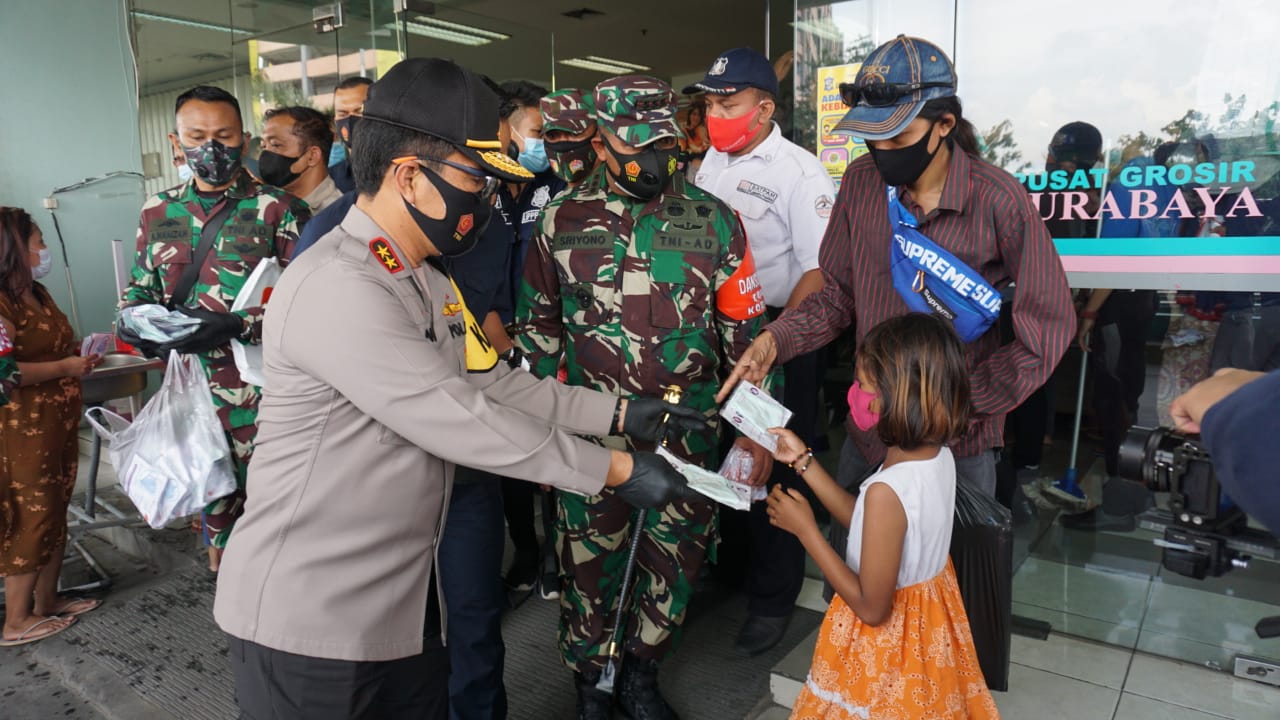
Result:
x=982 y=552
x=256 y=292
x=173 y=459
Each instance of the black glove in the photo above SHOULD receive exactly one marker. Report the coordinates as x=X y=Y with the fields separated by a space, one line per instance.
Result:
x=644 y=419
x=216 y=329
x=653 y=483
x=146 y=347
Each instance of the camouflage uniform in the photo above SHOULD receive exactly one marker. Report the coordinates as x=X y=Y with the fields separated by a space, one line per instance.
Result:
x=264 y=224
x=636 y=296
x=9 y=375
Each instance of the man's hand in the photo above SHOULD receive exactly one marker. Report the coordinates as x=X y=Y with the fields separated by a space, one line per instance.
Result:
x=754 y=364
x=642 y=419
x=216 y=329
x=146 y=347
x=761 y=460
x=1188 y=409
x=1084 y=333
x=652 y=482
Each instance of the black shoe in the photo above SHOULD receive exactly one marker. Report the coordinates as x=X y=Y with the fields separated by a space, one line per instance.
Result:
x=760 y=633
x=549 y=586
x=638 y=694
x=593 y=703
x=523 y=574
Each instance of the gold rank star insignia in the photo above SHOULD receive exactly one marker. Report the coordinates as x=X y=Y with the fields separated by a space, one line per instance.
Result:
x=386 y=255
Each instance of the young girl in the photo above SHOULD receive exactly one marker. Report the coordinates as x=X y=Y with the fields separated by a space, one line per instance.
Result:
x=895 y=642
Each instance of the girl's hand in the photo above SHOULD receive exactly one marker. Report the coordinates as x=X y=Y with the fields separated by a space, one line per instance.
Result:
x=790 y=511
x=790 y=446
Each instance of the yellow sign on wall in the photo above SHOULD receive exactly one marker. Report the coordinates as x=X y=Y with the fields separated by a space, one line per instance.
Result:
x=835 y=151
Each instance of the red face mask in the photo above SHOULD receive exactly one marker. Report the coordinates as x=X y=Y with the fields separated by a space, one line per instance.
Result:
x=731 y=134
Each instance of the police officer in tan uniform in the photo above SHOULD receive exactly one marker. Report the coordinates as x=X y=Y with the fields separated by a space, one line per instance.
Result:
x=380 y=380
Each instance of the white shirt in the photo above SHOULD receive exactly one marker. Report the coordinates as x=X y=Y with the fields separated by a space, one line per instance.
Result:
x=784 y=196
x=927 y=491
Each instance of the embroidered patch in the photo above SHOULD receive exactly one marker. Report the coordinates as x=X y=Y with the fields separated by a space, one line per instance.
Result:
x=465 y=223
x=822 y=206
x=760 y=191
x=633 y=170
x=386 y=255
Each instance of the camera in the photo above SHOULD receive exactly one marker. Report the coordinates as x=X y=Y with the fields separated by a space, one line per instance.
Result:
x=1205 y=534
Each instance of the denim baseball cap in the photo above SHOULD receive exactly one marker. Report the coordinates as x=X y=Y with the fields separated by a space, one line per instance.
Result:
x=921 y=72
x=735 y=71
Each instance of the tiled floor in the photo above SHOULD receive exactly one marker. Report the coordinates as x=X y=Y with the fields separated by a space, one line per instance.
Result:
x=1066 y=678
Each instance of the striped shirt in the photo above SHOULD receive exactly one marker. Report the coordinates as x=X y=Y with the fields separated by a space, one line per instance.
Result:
x=984 y=218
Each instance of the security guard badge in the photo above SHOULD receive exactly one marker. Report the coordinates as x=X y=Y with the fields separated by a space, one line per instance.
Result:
x=386 y=255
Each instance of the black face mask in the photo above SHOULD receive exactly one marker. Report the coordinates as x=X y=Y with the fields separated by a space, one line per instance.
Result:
x=466 y=216
x=273 y=168
x=571 y=160
x=346 y=128
x=644 y=174
x=904 y=165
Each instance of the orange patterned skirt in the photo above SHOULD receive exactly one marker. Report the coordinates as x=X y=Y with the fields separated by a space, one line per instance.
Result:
x=920 y=663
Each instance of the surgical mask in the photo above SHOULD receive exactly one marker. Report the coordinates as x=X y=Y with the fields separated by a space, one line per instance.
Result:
x=731 y=134
x=213 y=162
x=275 y=169
x=644 y=174
x=860 y=407
x=337 y=153
x=466 y=216
x=184 y=173
x=45 y=266
x=904 y=166
x=534 y=156
x=571 y=160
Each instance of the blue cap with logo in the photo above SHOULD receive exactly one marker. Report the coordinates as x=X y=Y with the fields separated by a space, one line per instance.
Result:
x=892 y=86
x=735 y=71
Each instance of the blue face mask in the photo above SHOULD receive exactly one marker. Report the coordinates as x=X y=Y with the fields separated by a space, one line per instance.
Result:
x=534 y=156
x=337 y=153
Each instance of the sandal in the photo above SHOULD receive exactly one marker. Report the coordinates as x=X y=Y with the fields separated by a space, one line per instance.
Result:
x=26 y=637
x=67 y=607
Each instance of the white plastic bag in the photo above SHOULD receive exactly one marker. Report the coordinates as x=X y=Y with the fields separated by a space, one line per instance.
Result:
x=256 y=291
x=173 y=459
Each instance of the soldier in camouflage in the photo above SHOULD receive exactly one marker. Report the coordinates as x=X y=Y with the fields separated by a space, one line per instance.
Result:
x=639 y=281
x=568 y=125
x=263 y=222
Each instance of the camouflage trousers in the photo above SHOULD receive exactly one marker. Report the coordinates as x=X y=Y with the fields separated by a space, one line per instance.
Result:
x=221 y=514
x=593 y=536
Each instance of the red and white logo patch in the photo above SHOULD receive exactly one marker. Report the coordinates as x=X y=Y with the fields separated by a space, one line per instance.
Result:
x=465 y=223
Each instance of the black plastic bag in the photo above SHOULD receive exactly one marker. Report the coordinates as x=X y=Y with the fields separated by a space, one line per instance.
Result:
x=982 y=552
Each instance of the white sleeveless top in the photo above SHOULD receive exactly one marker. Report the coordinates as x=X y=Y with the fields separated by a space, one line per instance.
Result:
x=927 y=491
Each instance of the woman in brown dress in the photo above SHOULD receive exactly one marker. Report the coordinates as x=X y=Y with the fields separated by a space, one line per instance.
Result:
x=38 y=443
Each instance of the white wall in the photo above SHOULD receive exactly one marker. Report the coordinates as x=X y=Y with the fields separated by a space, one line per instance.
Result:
x=69 y=113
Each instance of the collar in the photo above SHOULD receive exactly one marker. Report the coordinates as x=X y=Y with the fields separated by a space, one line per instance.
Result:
x=955 y=194
x=326 y=189
x=767 y=150
x=244 y=186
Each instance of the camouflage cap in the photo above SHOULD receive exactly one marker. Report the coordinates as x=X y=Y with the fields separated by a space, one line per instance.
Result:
x=568 y=110
x=637 y=108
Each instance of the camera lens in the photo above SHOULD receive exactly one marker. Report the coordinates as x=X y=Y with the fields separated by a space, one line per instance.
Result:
x=1138 y=454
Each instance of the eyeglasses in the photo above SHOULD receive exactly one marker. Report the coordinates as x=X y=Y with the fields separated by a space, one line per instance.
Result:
x=491 y=183
x=882 y=94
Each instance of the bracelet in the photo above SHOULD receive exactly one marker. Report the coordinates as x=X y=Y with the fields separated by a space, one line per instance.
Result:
x=1089 y=314
x=808 y=453
x=807 y=463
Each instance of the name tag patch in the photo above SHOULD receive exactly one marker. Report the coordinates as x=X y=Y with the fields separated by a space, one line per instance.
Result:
x=699 y=245
x=581 y=241
x=758 y=191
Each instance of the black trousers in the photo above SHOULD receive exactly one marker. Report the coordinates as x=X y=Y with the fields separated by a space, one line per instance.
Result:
x=775 y=572
x=276 y=685
x=1118 y=363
